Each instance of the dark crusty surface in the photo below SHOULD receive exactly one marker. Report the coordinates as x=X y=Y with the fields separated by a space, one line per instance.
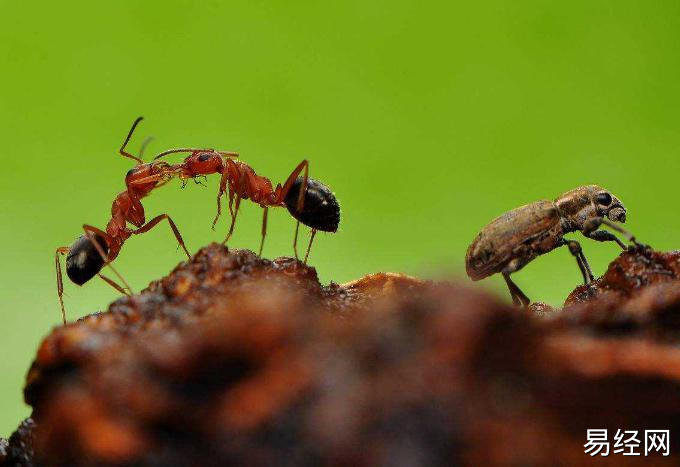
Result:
x=233 y=359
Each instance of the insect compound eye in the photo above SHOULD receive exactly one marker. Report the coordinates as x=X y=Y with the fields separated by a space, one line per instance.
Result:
x=130 y=173
x=204 y=157
x=604 y=199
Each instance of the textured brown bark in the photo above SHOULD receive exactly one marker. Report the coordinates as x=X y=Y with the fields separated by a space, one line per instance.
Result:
x=233 y=359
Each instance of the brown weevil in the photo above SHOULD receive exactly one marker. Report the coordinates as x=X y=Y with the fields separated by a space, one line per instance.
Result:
x=512 y=240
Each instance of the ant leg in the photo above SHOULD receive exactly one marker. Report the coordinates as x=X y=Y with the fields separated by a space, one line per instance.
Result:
x=89 y=230
x=297 y=228
x=518 y=297
x=242 y=189
x=230 y=170
x=309 y=247
x=153 y=222
x=62 y=250
x=223 y=184
x=291 y=179
x=264 y=228
x=233 y=220
x=122 y=150
x=301 y=196
x=231 y=202
x=113 y=284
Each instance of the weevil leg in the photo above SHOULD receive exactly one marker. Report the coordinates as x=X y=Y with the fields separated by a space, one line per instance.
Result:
x=590 y=230
x=629 y=236
x=518 y=297
x=576 y=250
x=606 y=236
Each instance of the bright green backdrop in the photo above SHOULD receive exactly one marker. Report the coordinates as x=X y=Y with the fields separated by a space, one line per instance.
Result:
x=427 y=118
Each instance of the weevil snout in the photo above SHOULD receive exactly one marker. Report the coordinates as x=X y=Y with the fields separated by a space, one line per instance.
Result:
x=617 y=214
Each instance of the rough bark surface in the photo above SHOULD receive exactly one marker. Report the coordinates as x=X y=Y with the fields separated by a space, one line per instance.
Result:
x=233 y=359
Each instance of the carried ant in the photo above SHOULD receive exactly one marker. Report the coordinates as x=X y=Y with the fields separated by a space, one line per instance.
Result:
x=86 y=257
x=315 y=205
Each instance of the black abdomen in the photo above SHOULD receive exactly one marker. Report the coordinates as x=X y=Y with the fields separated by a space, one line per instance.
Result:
x=320 y=211
x=83 y=261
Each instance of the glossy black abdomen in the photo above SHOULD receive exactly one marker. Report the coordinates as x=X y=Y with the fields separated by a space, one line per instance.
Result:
x=83 y=261
x=320 y=211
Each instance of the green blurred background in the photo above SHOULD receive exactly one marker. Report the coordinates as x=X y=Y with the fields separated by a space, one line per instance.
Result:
x=428 y=119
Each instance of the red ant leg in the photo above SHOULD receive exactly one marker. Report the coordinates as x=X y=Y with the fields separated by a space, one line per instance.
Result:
x=297 y=228
x=60 y=284
x=242 y=189
x=122 y=150
x=233 y=219
x=62 y=250
x=231 y=201
x=223 y=185
x=301 y=197
x=112 y=283
x=229 y=172
x=219 y=208
x=94 y=230
x=264 y=228
x=291 y=179
x=309 y=247
x=153 y=222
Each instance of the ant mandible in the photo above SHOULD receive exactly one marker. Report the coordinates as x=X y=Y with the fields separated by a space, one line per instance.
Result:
x=86 y=257
x=315 y=206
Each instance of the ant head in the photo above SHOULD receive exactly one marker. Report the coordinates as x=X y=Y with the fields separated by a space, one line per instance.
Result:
x=204 y=163
x=130 y=175
x=138 y=172
x=83 y=261
x=320 y=211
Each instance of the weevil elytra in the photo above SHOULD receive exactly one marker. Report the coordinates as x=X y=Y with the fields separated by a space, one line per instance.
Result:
x=517 y=237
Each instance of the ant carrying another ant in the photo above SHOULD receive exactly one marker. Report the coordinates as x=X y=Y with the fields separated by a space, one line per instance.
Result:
x=87 y=256
x=315 y=206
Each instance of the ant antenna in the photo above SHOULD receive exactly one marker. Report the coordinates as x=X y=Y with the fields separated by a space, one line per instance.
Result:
x=227 y=154
x=145 y=143
x=122 y=148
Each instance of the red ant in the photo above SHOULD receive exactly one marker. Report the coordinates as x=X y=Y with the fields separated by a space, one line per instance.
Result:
x=315 y=206
x=86 y=257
